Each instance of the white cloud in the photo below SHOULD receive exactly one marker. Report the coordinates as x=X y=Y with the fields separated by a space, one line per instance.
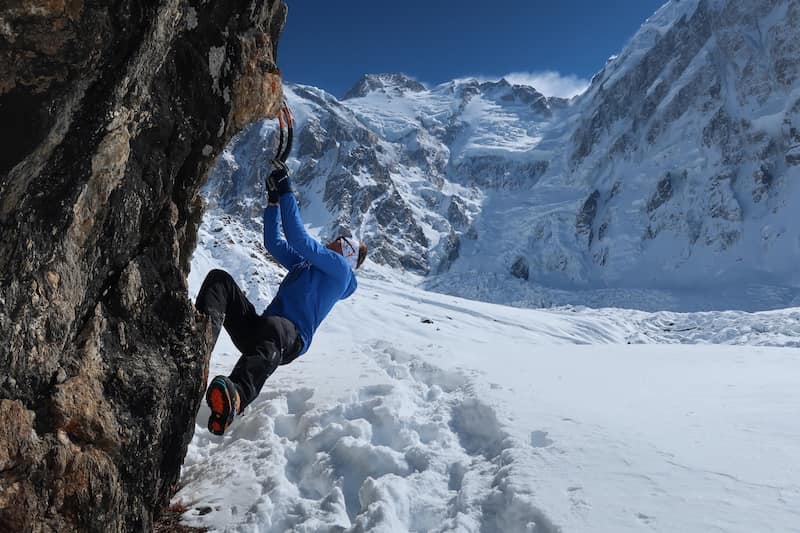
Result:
x=547 y=82
x=550 y=83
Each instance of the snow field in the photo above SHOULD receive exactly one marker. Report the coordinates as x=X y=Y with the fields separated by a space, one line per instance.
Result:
x=415 y=411
x=414 y=450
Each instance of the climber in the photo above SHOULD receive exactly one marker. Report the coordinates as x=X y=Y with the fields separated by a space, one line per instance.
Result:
x=318 y=277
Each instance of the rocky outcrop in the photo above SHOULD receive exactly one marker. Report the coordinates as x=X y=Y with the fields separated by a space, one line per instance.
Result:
x=520 y=268
x=450 y=247
x=392 y=82
x=508 y=93
x=584 y=221
x=662 y=194
x=113 y=113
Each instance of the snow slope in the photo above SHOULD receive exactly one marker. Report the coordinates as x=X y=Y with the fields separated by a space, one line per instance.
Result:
x=417 y=411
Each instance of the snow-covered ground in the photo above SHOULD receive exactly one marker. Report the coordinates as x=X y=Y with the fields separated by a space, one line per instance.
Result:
x=670 y=184
x=417 y=411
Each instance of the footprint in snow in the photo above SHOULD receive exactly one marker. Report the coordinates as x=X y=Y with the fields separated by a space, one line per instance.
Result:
x=644 y=518
x=539 y=439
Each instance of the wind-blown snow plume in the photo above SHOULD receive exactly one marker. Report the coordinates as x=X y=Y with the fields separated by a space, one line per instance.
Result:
x=550 y=83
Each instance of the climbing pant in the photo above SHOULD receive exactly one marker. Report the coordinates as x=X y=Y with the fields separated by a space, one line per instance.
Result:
x=264 y=341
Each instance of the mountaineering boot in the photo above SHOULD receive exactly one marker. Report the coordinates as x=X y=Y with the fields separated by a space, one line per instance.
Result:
x=223 y=399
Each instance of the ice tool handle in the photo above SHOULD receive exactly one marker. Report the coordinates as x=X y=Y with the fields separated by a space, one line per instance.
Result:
x=285 y=136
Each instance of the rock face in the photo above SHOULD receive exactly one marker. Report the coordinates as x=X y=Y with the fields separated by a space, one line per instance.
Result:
x=520 y=268
x=686 y=139
x=113 y=114
x=395 y=82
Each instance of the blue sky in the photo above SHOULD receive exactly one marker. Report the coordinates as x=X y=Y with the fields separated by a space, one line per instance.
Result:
x=557 y=44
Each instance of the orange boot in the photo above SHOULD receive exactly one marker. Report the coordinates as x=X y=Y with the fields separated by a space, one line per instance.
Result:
x=223 y=399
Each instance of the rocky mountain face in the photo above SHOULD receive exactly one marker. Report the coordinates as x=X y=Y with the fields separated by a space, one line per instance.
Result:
x=696 y=123
x=410 y=184
x=399 y=83
x=677 y=168
x=113 y=113
x=342 y=170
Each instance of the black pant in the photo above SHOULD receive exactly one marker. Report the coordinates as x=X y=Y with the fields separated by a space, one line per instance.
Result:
x=265 y=341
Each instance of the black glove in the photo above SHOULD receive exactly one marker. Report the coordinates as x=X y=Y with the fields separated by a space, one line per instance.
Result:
x=273 y=197
x=278 y=182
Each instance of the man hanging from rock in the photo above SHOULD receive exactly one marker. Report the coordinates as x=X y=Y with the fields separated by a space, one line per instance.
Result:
x=318 y=277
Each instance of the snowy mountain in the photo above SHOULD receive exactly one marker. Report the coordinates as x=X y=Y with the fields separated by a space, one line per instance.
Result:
x=677 y=169
x=422 y=411
x=384 y=82
x=685 y=144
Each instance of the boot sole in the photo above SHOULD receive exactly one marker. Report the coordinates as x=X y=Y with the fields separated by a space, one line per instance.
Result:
x=220 y=402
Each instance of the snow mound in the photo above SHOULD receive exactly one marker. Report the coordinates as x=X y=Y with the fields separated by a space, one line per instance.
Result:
x=416 y=452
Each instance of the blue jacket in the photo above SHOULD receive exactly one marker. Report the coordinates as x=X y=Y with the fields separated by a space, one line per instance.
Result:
x=317 y=278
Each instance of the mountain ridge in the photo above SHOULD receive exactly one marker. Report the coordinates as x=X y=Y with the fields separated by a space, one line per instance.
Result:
x=396 y=81
x=674 y=169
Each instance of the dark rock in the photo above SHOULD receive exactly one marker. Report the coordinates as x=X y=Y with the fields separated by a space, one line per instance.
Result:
x=489 y=86
x=114 y=111
x=791 y=128
x=763 y=179
x=470 y=89
x=503 y=91
x=601 y=231
x=520 y=268
x=416 y=263
x=662 y=195
x=451 y=247
x=724 y=132
x=455 y=213
x=374 y=82
x=424 y=156
x=585 y=218
x=601 y=256
x=170 y=521
x=722 y=200
x=310 y=141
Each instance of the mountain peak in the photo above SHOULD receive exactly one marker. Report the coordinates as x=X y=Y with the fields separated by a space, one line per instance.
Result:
x=388 y=81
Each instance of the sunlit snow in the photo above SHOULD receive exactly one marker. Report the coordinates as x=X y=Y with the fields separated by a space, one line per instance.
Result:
x=418 y=411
